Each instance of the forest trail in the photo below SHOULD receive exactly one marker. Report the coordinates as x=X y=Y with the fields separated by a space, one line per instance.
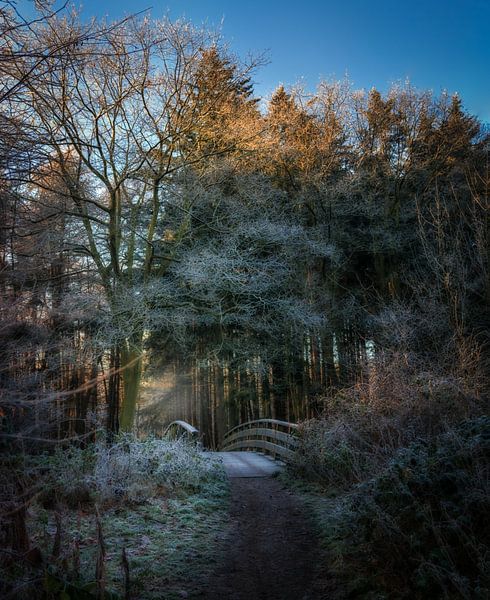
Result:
x=272 y=549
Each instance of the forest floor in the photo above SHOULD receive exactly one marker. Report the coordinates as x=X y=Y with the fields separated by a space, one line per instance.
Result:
x=272 y=550
x=232 y=538
x=172 y=543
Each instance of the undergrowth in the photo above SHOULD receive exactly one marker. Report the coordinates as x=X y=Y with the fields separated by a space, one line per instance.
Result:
x=397 y=472
x=420 y=528
x=134 y=519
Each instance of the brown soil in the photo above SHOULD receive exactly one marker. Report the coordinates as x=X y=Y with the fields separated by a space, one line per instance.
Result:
x=271 y=552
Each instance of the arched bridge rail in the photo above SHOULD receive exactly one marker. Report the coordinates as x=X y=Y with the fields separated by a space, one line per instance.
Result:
x=181 y=429
x=271 y=436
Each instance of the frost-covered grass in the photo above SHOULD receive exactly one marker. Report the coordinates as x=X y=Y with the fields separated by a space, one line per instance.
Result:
x=171 y=542
x=164 y=503
x=137 y=469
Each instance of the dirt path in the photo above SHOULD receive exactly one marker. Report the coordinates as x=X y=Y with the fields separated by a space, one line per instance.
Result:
x=272 y=550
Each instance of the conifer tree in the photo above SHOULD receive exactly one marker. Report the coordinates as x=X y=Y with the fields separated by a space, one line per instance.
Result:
x=221 y=101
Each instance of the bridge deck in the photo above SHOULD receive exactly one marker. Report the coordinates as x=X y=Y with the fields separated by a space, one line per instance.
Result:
x=247 y=464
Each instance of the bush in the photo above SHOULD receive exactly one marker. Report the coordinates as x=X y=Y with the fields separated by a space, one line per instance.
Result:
x=135 y=469
x=420 y=529
x=128 y=470
x=63 y=476
x=396 y=401
x=51 y=551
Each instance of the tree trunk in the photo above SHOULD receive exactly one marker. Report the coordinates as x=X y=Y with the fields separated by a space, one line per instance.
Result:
x=113 y=392
x=131 y=370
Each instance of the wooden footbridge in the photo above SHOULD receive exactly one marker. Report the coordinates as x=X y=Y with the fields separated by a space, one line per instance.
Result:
x=253 y=449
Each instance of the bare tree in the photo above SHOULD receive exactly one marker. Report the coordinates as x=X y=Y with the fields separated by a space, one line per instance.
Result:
x=116 y=116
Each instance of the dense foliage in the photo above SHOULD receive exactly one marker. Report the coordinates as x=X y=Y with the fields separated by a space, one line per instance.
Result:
x=401 y=459
x=419 y=529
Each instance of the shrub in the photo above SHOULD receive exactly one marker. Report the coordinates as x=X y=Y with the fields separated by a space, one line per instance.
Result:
x=135 y=469
x=420 y=529
x=64 y=476
x=396 y=401
x=128 y=470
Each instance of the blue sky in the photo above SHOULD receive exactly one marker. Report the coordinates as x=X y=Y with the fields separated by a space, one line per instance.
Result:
x=437 y=44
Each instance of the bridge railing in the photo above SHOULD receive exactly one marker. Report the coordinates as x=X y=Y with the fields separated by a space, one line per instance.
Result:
x=266 y=435
x=178 y=429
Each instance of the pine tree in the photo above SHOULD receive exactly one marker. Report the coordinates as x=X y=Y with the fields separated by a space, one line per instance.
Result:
x=222 y=95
